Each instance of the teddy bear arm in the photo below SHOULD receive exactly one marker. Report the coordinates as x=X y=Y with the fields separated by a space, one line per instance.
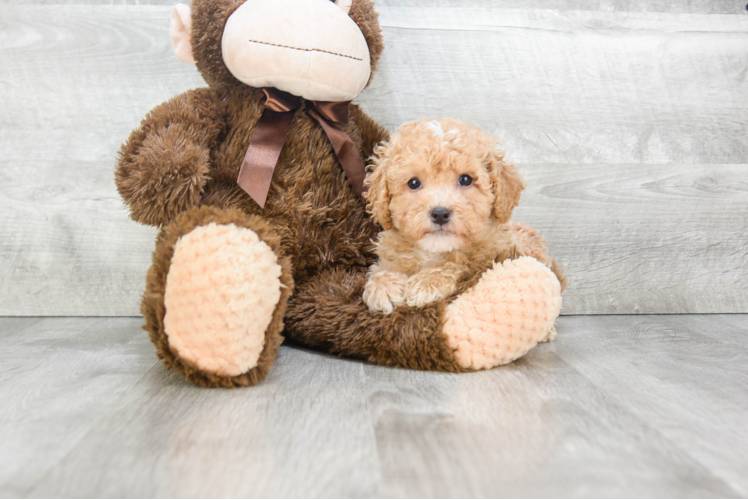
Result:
x=163 y=167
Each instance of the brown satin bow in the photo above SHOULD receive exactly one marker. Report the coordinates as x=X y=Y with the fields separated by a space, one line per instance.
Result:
x=256 y=171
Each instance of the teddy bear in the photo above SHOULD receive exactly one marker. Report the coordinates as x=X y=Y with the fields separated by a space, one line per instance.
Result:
x=256 y=184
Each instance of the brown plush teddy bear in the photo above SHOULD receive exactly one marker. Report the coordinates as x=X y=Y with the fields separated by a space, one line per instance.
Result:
x=256 y=184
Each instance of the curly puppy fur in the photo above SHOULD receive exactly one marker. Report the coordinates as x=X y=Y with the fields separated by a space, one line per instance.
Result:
x=444 y=194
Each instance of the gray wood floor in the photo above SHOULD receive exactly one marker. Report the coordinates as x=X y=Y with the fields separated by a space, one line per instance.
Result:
x=617 y=406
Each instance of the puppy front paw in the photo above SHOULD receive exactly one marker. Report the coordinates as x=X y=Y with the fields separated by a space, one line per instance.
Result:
x=422 y=289
x=384 y=291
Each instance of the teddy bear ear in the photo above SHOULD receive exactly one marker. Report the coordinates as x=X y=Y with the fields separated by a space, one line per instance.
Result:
x=507 y=186
x=345 y=5
x=179 y=31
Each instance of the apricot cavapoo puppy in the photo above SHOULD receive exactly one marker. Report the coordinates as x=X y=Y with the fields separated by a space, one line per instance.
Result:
x=443 y=194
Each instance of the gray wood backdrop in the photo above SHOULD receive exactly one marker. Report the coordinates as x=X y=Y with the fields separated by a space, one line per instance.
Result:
x=628 y=119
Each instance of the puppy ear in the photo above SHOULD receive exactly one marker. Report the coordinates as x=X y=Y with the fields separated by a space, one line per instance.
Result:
x=377 y=194
x=507 y=186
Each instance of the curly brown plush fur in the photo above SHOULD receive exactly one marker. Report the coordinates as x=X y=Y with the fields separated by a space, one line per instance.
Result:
x=328 y=312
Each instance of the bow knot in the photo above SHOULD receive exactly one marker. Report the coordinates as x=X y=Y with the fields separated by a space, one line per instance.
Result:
x=266 y=144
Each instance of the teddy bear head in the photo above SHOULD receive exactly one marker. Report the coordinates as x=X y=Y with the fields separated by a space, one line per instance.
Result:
x=319 y=50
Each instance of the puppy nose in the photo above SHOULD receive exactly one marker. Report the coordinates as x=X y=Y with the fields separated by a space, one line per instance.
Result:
x=440 y=215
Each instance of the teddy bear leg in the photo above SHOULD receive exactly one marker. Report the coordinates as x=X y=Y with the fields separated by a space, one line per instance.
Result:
x=328 y=312
x=506 y=313
x=215 y=296
x=510 y=310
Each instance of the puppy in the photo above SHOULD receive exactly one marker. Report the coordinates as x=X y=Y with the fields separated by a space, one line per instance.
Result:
x=443 y=194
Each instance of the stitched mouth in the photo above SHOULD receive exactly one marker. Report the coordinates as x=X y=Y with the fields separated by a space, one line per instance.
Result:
x=322 y=51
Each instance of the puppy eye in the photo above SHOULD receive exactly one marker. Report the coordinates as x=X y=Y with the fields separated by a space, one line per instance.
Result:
x=414 y=183
x=465 y=180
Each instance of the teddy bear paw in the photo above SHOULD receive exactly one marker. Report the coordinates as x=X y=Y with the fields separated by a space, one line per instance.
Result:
x=510 y=310
x=221 y=291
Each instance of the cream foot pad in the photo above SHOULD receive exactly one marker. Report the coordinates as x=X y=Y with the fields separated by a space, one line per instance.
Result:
x=506 y=314
x=221 y=291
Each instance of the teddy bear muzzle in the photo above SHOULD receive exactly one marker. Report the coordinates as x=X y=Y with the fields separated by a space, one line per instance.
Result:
x=313 y=49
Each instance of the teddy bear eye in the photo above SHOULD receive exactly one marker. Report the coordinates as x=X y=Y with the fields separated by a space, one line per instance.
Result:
x=465 y=180
x=414 y=183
